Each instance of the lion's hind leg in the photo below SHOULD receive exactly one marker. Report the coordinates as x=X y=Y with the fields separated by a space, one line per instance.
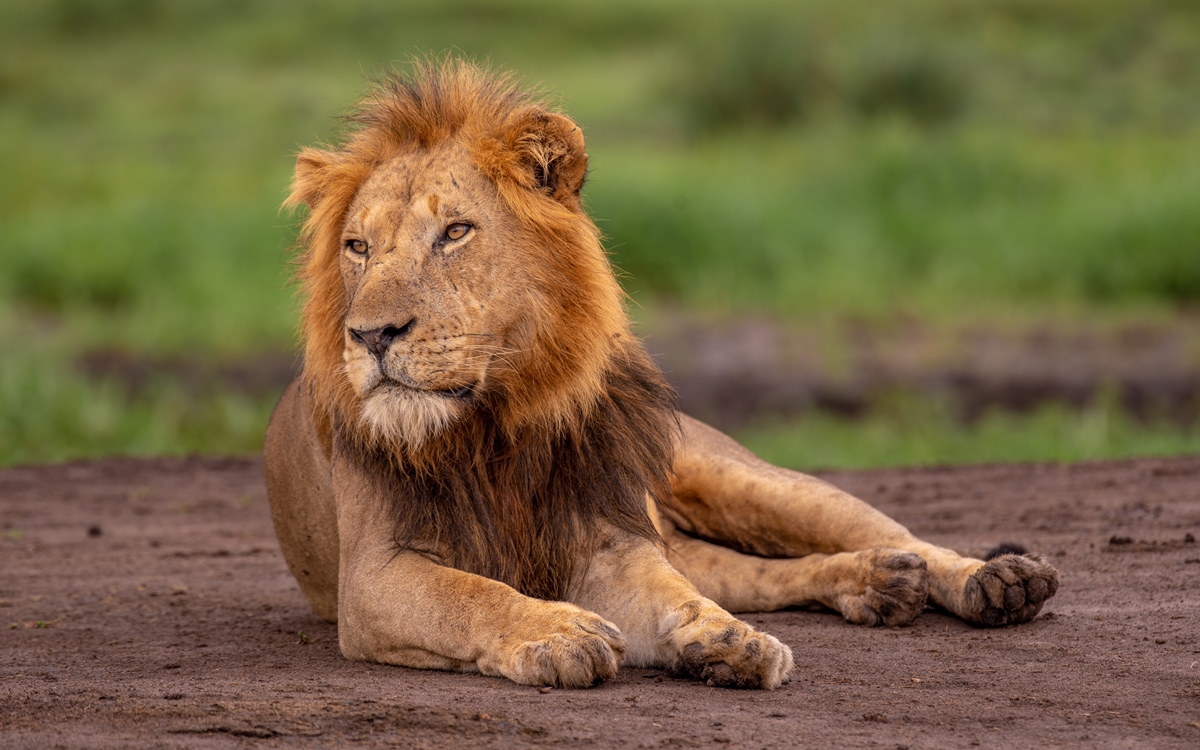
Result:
x=1008 y=589
x=868 y=587
x=724 y=492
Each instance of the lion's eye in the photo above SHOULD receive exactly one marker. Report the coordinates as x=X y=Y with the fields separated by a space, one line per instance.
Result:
x=457 y=231
x=358 y=247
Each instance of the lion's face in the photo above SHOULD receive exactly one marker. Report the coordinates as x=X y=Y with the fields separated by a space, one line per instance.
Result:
x=432 y=267
x=450 y=271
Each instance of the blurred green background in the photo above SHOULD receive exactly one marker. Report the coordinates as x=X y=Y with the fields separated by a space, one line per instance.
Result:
x=1005 y=165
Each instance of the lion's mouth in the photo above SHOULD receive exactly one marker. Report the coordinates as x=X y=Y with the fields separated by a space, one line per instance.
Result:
x=457 y=393
x=462 y=393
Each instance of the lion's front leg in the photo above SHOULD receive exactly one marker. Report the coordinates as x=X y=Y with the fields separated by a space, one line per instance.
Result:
x=412 y=612
x=399 y=607
x=668 y=623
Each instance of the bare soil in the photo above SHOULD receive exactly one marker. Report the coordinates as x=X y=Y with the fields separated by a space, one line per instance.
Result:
x=144 y=603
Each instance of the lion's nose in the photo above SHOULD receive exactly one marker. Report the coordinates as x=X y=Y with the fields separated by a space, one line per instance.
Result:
x=378 y=340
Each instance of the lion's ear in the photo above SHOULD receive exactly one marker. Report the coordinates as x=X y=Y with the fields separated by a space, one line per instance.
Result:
x=311 y=177
x=551 y=150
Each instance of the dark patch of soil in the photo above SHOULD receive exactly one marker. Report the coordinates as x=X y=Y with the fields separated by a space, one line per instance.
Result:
x=266 y=374
x=733 y=372
x=144 y=603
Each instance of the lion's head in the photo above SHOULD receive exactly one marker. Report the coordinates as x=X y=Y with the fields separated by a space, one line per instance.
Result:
x=465 y=337
x=450 y=263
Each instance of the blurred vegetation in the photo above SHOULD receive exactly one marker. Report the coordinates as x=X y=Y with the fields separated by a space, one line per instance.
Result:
x=908 y=431
x=999 y=160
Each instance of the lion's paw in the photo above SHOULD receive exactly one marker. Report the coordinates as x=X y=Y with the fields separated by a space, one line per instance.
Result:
x=575 y=651
x=723 y=651
x=1008 y=590
x=893 y=590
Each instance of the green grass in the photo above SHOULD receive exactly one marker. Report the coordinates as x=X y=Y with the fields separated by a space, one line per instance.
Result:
x=1003 y=160
x=889 y=217
x=909 y=432
x=51 y=413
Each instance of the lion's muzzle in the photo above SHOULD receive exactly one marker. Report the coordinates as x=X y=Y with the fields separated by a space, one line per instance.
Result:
x=378 y=340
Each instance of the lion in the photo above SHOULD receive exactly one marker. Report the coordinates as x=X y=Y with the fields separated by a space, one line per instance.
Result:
x=480 y=468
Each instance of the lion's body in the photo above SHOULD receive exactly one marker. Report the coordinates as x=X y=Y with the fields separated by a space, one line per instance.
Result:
x=480 y=467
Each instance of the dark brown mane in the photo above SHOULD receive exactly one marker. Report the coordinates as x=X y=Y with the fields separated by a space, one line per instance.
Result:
x=525 y=511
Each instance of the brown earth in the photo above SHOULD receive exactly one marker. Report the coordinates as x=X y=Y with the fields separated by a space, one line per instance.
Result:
x=144 y=603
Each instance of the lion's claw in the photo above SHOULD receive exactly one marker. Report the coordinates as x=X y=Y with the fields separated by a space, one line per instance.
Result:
x=1009 y=590
x=694 y=662
x=722 y=651
x=577 y=651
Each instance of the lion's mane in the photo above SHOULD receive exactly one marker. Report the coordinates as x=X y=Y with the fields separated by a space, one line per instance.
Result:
x=580 y=429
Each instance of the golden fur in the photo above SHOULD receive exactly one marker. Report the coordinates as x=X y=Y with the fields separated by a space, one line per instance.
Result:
x=480 y=467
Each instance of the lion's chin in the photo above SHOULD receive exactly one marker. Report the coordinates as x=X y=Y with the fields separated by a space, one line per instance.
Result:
x=411 y=417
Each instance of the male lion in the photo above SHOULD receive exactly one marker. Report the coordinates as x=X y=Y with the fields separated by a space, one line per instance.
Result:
x=481 y=468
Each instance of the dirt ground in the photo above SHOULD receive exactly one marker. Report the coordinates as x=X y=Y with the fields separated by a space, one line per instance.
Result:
x=144 y=603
